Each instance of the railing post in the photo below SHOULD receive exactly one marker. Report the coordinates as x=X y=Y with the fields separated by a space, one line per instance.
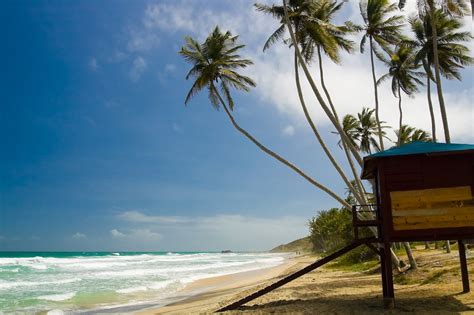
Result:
x=354 y=222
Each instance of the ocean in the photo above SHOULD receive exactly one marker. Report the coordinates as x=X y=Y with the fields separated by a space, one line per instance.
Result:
x=76 y=282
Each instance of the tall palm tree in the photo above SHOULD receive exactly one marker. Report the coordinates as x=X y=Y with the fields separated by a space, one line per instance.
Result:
x=214 y=66
x=382 y=29
x=404 y=74
x=313 y=86
x=452 y=54
x=313 y=30
x=430 y=8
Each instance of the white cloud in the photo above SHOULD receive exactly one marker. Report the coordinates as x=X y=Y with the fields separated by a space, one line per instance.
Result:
x=117 y=56
x=141 y=41
x=139 y=66
x=79 y=236
x=136 y=216
x=93 y=65
x=200 y=20
x=144 y=234
x=288 y=131
x=116 y=233
x=170 y=67
x=141 y=234
x=216 y=232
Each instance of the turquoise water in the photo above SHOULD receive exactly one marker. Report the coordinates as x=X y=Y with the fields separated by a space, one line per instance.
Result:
x=74 y=281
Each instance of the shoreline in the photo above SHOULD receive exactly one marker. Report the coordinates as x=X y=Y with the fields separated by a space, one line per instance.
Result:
x=220 y=288
x=435 y=288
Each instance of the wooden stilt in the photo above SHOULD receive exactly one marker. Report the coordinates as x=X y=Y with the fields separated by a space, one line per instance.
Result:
x=464 y=271
x=389 y=294
x=383 y=272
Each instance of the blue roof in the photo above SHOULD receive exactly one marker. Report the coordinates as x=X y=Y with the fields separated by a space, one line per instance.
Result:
x=422 y=147
x=410 y=149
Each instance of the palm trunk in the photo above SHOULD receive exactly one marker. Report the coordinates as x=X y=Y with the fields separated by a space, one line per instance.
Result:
x=401 y=116
x=448 y=247
x=315 y=89
x=376 y=95
x=344 y=146
x=411 y=259
x=319 y=138
x=430 y=103
x=442 y=106
x=278 y=157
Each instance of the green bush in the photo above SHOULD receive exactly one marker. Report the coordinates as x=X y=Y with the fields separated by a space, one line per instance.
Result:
x=330 y=230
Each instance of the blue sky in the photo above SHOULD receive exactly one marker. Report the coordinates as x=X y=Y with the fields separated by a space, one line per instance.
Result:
x=100 y=153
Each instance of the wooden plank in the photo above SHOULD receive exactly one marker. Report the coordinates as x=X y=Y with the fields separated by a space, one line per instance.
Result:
x=433 y=225
x=426 y=212
x=455 y=204
x=433 y=218
x=431 y=195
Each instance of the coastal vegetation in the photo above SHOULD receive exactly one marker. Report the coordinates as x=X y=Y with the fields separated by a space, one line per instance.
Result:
x=435 y=46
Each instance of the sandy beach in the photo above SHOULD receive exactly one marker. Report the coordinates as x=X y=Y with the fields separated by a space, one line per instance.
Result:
x=434 y=289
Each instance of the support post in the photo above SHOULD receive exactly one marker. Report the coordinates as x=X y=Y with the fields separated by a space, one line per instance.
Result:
x=383 y=272
x=464 y=271
x=389 y=294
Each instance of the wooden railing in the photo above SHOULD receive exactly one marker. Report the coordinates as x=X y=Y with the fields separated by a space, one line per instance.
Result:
x=366 y=216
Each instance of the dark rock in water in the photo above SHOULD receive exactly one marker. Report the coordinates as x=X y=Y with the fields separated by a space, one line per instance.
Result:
x=227 y=251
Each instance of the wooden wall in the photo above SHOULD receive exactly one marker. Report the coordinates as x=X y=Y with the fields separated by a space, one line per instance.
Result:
x=432 y=208
x=427 y=197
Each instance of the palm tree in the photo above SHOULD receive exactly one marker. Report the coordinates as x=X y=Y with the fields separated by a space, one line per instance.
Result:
x=363 y=130
x=311 y=20
x=407 y=134
x=404 y=73
x=314 y=88
x=214 y=67
x=382 y=29
x=452 y=54
x=430 y=8
x=369 y=129
x=351 y=127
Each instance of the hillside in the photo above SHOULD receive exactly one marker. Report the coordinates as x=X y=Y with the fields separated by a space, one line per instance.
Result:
x=302 y=245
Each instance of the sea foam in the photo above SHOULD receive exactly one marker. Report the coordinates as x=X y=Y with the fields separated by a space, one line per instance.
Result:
x=57 y=297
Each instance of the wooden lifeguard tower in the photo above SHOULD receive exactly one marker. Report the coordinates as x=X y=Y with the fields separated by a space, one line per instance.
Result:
x=424 y=192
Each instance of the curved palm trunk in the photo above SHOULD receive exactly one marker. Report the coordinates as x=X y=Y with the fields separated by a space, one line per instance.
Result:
x=315 y=89
x=411 y=259
x=430 y=103
x=376 y=95
x=399 y=142
x=278 y=157
x=444 y=115
x=344 y=146
x=319 y=138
